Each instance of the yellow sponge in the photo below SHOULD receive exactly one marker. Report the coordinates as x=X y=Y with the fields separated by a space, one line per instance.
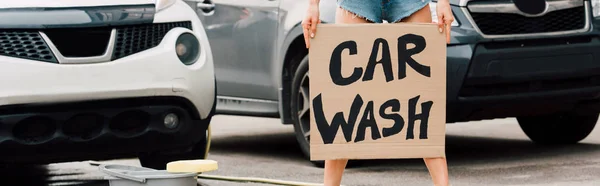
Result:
x=194 y=166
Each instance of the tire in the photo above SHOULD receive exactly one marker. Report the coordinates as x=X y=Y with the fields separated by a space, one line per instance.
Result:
x=197 y=151
x=558 y=129
x=299 y=102
x=302 y=123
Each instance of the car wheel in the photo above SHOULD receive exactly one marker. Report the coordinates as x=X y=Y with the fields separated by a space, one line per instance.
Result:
x=300 y=109
x=566 y=128
x=300 y=103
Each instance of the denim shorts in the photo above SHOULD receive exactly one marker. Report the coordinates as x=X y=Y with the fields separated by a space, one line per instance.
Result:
x=379 y=10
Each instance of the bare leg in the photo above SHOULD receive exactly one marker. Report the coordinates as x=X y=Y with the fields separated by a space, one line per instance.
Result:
x=334 y=169
x=438 y=168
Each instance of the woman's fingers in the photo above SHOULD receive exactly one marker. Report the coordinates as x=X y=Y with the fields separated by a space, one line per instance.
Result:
x=440 y=22
x=448 y=19
x=305 y=28
x=306 y=40
x=445 y=17
x=448 y=29
x=309 y=27
x=313 y=28
x=443 y=25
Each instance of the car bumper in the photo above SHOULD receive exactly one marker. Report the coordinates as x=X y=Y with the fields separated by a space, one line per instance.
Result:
x=47 y=98
x=154 y=72
x=508 y=79
x=101 y=129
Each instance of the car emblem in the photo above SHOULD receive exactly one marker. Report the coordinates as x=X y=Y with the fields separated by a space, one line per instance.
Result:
x=531 y=7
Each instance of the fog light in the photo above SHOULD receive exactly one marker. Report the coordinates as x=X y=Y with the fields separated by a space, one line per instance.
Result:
x=171 y=121
x=187 y=48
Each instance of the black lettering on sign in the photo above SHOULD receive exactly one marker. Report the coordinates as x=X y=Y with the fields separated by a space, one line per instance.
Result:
x=328 y=131
x=423 y=116
x=404 y=55
x=404 y=58
x=367 y=121
x=335 y=65
x=398 y=120
x=386 y=61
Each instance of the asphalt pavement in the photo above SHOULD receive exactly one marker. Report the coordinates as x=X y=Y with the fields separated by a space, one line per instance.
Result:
x=494 y=152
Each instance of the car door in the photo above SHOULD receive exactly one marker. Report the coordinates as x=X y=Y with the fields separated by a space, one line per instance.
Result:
x=242 y=34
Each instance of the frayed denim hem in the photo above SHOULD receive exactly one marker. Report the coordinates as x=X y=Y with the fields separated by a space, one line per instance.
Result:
x=399 y=17
x=355 y=15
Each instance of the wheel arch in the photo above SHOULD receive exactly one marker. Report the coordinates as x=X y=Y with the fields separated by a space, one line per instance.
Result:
x=294 y=50
x=293 y=47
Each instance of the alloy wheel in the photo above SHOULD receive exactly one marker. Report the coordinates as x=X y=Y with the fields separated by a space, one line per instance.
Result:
x=303 y=100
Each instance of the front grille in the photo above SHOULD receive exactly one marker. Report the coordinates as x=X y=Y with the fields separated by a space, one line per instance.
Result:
x=133 y=39
x=80 y=42
x=84 y=42
x=26 y=45
x=504 y=24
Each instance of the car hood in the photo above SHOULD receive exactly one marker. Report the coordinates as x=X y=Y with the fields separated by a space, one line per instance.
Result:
x=21 y=14
x=67 y=3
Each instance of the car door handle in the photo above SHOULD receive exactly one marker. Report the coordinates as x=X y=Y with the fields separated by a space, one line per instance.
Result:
x=205 y=6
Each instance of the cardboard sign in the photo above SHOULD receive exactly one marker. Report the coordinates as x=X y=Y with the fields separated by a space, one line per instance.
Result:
x=377 y=91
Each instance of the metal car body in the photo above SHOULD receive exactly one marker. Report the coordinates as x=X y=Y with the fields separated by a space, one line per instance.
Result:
x=503 y=60
x=103 y=79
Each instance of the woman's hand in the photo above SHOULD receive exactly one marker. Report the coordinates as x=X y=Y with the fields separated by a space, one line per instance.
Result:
x=445 y=17
x=309 y=24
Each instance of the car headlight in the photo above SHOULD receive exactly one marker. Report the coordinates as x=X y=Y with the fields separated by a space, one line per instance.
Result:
x=433 y=8
x=162 y=4
x=187 y=48
x=596 y=8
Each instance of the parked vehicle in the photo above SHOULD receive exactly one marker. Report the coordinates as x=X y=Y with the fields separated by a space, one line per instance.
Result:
x=103 y=79
x=538 y=63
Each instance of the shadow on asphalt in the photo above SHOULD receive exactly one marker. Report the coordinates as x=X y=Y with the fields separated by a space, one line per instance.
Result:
x=23 y=175
x=281 y=146
x=37 y=175
x=460 y=150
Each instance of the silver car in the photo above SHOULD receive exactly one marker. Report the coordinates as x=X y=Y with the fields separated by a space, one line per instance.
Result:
x=258 y=49
x=261 y=63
